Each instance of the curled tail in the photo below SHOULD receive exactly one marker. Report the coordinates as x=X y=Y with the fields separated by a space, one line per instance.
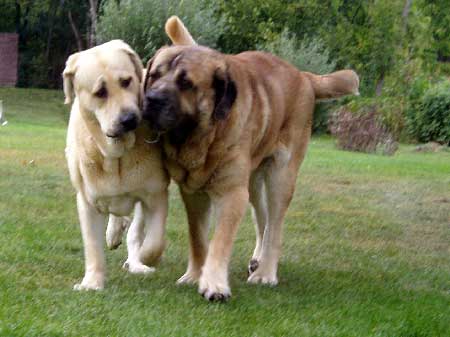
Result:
x=334 y=85
x=177 y=32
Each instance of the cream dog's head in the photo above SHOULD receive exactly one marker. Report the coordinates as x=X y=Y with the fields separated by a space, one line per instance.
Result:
x=106 y=80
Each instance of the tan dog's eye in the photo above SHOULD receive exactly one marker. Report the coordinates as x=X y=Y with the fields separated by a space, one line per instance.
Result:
x=155 y=75
x=125 y=82
x=101 y=93
x=183 y=82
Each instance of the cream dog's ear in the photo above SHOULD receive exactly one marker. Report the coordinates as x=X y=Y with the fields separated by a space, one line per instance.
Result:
x=178 y=33
x=134 y=57
x=68 y=74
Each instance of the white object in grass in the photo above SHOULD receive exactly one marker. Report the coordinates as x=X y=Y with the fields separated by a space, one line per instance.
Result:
x=3 y=121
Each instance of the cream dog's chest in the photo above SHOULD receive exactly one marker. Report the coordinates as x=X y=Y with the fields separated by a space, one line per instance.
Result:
x=115 y=185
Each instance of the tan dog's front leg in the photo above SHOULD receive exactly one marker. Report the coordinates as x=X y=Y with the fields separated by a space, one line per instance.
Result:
x=92 y=225
x=198 y=209
x=230 y=208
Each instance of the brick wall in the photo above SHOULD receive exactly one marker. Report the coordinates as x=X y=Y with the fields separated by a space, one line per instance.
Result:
x=8 y=59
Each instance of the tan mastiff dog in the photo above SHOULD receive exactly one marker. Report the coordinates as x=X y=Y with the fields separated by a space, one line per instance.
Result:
x=112 y=167
x=234 y=129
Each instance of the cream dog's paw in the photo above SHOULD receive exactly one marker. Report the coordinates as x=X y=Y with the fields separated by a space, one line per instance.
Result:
x=90 y=282
x=189 y=277
x=134 y=267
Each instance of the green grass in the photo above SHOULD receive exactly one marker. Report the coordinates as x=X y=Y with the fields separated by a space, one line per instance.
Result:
x=366 y=249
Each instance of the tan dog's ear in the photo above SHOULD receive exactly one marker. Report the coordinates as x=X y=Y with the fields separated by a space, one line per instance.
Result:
x=68 y=74
x=226 y=93
x=178 y=33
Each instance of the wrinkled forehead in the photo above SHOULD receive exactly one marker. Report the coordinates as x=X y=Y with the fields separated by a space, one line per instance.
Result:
x=181 y=57
x=111 y=65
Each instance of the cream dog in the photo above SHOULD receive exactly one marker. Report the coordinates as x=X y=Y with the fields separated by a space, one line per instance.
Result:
x=112 y=167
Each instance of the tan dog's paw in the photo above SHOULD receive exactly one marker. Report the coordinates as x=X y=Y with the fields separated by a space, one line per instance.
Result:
x=260 y=275
x=90 y=282
x=134 y=267
x=189 y=277
x=214 y=291
x=252 y=266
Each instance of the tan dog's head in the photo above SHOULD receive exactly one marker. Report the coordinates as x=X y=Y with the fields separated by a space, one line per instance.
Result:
x=187 y=86
x=106 y=81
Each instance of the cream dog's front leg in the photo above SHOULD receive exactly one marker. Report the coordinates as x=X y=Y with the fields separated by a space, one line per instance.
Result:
x=92 y=225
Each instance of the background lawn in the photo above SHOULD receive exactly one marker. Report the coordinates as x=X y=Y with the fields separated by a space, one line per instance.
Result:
x=366 y=249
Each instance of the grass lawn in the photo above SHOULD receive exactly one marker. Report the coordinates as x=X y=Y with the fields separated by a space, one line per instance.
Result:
x=366 y=248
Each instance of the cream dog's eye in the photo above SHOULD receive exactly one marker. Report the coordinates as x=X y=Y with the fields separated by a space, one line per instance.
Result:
x=125 y=82
x=101 y=93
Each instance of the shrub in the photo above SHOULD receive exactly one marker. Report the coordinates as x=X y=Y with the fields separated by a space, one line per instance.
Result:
x=362 y=132
x=141 y=23
x=309 y=55
x=390 y=111
x=428 y=118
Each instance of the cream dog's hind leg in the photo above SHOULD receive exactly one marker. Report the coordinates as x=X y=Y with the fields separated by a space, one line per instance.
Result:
x=114 y=232
x=155 y=214
x=135 y=238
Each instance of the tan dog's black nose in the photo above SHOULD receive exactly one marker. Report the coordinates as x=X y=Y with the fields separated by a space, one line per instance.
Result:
x=129 y=121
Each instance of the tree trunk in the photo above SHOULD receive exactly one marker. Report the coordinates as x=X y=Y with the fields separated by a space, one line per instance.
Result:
x=380 y=83
x=75 y=31
x=93 y=8
x=54 y=6
x=405 y=13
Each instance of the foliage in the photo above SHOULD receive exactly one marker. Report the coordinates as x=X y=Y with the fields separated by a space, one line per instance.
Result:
x=362 y=132
x=141 y=23
x=307 y=55
x=439 y=11
x=429 y=116
x=389 y=110
x=389 y=43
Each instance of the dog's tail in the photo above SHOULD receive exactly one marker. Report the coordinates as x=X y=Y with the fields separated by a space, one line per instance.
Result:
x=334 y=85
x=178 y=33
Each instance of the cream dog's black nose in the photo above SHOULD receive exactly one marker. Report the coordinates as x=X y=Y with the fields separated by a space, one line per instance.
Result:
x=129 y=121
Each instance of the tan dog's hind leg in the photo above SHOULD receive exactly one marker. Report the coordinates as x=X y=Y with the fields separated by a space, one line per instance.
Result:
x=92 y=225
x=280 y=181
x=260 y=214
x=230 y=208
x=198 y=209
